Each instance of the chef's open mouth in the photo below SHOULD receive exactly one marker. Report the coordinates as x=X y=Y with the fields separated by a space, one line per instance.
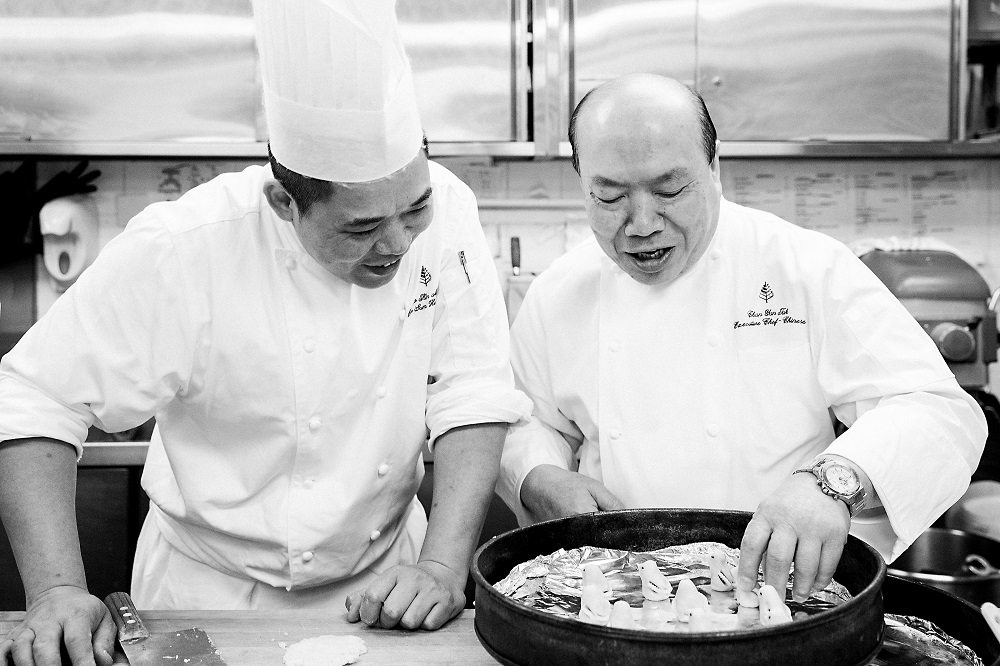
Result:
x=384 y=267
x=651 y=258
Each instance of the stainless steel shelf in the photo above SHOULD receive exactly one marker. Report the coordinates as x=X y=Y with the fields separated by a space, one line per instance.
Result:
x=515 y=149
x=235 y=150
x=114 y=454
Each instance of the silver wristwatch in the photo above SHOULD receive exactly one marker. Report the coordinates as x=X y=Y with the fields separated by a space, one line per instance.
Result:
x=839 y=481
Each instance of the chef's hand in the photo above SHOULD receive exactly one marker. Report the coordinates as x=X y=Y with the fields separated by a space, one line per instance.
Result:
x=64 y=615
x=552 y=492
x=797 y=522
x=424 y=595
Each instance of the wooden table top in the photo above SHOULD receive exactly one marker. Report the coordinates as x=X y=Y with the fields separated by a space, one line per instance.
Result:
x=259 y=637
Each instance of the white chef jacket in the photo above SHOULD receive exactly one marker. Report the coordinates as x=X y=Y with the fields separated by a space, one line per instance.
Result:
x=710 y=390
x=291 y=406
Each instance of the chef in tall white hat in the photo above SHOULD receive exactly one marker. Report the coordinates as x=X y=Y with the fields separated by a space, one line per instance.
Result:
x=300 y=331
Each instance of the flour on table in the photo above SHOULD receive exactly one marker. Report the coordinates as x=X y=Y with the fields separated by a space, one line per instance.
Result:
x=325 y=651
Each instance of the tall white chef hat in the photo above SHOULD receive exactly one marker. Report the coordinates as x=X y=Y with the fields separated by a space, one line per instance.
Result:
x=338 y=91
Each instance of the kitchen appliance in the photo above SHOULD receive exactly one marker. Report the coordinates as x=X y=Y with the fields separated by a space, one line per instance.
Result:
x=954 y=561
x=515 y=633
x=191 y=647
x=951 y=301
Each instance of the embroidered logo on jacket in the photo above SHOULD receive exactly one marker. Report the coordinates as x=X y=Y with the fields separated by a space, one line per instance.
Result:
x=767 y=316
x=425 y=299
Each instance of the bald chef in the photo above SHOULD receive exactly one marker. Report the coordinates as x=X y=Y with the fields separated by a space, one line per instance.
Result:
x=690 y=354
x=299 y=332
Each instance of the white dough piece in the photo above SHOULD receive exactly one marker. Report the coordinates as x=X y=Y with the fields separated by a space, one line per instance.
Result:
x=773 y=610
x=655 y=586
x=325 y=651
x=621 y=616
x=722 y=574
x=593 y=576
x=701 y=620
x=594 y=607
x=687 y=599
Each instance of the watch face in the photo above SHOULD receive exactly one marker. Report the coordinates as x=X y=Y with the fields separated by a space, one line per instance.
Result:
x=841 y=479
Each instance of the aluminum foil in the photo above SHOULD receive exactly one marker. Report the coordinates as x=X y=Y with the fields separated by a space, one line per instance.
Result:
x=551 y=583
x=912 y=640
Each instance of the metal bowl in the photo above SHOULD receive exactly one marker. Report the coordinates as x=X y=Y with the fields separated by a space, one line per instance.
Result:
x=516 y=634
x=938 y=558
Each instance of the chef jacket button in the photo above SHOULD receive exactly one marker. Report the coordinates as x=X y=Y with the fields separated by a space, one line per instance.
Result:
x=315 y=423
x=383 y=469
x=402 y=315
x=713 y=430
x=614 y=346
x=289 y=262
x=307 y=556
x=715 y=254
x=381 y=392
x=309 y=346
x=308 y=484
x=615 y=434
x=713 y=340
x=374 y=535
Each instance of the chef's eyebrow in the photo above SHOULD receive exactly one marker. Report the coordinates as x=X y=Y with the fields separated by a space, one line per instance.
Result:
x=672 y=175
x=364 y=221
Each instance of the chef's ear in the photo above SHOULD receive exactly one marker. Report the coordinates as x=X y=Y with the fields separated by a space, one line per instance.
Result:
x=280 y=200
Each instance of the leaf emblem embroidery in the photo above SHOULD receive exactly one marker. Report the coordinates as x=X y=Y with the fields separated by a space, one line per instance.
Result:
x=425 y=276
x=765 y=293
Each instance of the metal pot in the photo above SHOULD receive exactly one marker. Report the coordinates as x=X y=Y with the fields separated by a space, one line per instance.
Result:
x=945 y=559
x=523 y=636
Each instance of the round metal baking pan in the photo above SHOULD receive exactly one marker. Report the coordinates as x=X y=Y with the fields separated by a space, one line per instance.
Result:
x=957 y=617
x=518 y=635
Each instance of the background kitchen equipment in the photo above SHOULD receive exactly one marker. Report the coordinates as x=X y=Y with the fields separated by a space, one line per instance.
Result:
x=951 y=301
x=517 y=634
x=954 y=561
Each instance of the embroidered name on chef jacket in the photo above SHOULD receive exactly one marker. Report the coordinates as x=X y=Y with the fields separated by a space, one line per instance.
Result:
x=425 y=299
x=768 y=314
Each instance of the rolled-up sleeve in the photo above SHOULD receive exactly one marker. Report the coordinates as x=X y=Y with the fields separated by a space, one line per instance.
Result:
x=110 y=351
x=913 y=430
x=549 y=438
x=470 y=369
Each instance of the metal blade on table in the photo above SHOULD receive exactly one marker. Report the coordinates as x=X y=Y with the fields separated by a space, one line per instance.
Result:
x=191 y=647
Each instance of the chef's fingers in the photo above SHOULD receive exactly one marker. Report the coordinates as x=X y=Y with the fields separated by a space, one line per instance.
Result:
x=370 y=611
x=439 y=614
x=752 y=548
x=606 y=500
x=5 y=650
x=22 y=648
x=828 y=561
x=807 y=557
x=103 y=641
x=353 y=604
x=47 y=644
x=395 y=606
x=778 y=560
x=417 y=612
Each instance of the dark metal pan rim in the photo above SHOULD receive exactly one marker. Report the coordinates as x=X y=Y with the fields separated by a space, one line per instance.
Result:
x=944 y=578
x=534 y=615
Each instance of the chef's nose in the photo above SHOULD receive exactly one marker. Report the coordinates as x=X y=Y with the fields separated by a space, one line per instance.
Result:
x=395 y=239
x=644 y=216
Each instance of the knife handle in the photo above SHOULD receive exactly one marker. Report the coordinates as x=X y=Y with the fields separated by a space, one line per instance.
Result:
x=126 y=617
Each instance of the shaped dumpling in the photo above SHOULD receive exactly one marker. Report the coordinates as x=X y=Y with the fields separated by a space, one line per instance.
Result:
x=621 y=616
x=701 y=620
x=773 y=610
x=594 y=577
x=655 y=586
x=687 y=599
x=594 y=607
x=722 y=573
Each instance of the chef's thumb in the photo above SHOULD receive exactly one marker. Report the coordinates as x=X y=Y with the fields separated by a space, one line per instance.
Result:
x=606 y=500
x=104 y=641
